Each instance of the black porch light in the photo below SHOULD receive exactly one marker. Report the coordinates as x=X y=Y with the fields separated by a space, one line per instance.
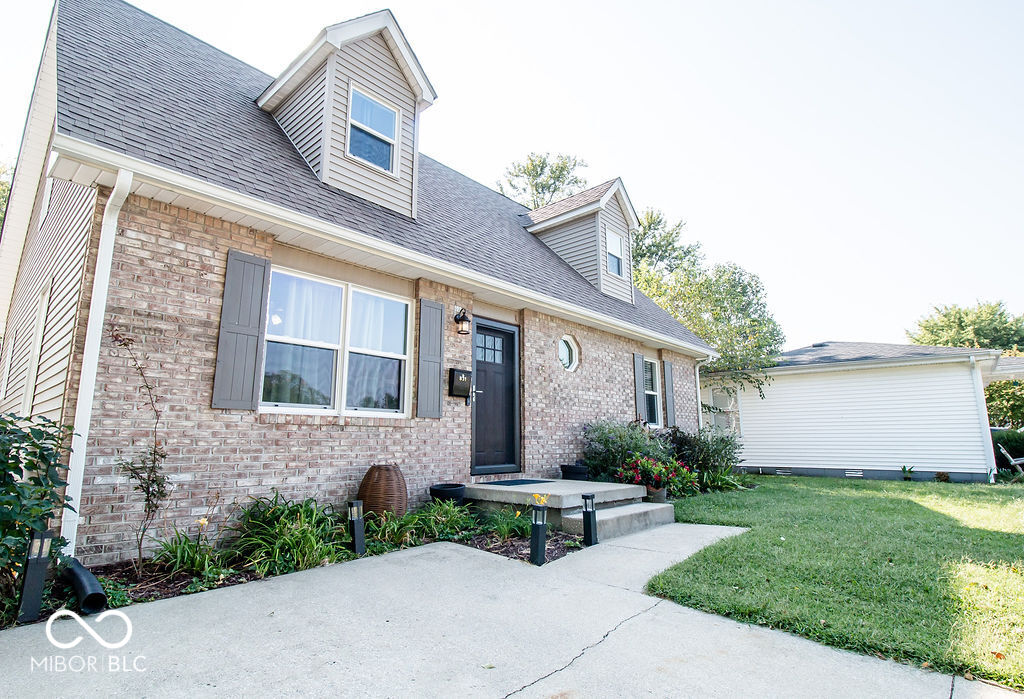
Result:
x=589 y=520
x=462 y=320
x=34 y=576
x=539 y=535
x=356 y=526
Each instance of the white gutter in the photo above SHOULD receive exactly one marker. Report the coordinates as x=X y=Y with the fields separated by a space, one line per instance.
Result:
x=82 y=151
x=91 y=355
x=696 y=382
x=986 y=433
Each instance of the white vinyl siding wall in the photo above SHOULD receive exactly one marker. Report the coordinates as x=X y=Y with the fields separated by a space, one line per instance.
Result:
x=301 y=116
x=925 y=416
x=371 y=67
x=613 y=220
x=54 y=255
x=576 y=243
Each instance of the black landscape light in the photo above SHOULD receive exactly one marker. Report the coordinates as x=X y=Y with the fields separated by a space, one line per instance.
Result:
x=462 y=320
x=356 y=526
x=539 y=535
x=589 y=520
x=34 y=576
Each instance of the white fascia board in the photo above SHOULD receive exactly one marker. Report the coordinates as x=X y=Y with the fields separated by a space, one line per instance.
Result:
x=295 y=74
x=146 y=172
x=979 y=355
x=571 y=215
x=620 y=189
x=29 y=169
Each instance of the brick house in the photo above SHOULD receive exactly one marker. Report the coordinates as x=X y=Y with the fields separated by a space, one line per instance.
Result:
x=301 y=281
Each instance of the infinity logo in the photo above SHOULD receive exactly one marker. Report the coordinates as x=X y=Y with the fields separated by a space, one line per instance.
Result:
x=88 y=629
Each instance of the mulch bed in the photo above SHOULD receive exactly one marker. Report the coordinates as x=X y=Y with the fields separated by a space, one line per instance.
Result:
x=157 y=582
x=559 y=545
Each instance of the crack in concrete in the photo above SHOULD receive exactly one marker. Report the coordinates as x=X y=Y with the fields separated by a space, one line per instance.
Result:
x=585 y=649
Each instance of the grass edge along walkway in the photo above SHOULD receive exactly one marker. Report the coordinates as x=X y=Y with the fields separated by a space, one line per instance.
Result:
x=924 y=573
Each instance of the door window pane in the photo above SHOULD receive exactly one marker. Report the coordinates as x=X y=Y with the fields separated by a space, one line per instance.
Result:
x=374 y=383
x=304 y=309
x=371 y=113
x=377 y=324
x=298 y=375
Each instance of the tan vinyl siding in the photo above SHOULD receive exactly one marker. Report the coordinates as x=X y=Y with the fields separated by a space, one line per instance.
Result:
x=924 y=416
x=576 y=243
x=613 y=220
x=371 y=66
x=52 y=264
x=301 y=116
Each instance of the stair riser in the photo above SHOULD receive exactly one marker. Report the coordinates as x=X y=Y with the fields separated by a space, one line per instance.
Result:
x=620 y=526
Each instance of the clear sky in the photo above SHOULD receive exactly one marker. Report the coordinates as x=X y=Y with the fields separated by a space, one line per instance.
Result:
x=865 y=158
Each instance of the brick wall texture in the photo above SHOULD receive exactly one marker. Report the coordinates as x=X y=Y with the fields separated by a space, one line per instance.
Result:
x=166 y=286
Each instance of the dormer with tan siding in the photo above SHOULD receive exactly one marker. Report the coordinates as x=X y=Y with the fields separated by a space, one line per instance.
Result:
x=350 y=104
x=592 y=231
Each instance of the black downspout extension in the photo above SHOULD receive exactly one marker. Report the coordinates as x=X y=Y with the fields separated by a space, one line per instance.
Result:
x=91 y=598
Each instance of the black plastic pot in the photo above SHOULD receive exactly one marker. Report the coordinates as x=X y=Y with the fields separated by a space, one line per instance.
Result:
x=91 y=598
x=448 y=491
x=575 y=472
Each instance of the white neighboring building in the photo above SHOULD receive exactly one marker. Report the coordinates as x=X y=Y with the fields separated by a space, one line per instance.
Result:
x=857 y=409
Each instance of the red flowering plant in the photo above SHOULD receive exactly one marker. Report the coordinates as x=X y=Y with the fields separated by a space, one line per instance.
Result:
x=674 y=475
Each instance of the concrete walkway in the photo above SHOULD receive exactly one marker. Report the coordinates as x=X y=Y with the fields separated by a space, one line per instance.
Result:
x=447 y=620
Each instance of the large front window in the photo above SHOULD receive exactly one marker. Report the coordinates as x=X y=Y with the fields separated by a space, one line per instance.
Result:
x=373 y=131
x=329 y=344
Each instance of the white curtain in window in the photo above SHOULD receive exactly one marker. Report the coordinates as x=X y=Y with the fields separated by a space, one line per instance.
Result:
x=377 y=323
x=304 y=309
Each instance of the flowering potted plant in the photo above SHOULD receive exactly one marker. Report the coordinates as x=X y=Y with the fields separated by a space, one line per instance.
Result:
x=655 y=475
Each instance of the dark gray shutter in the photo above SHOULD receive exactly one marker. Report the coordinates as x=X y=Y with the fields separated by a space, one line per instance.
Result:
x=638 y=380
x=236 y=383
x=430 y=369
x=670 y=398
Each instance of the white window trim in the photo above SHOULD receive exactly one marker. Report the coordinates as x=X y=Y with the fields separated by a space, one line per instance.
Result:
x=396 y=142
x=575 y=363
x=406 y=381
x=28 y=398
x=621 y=257
x=341 y=365
x=656 y=392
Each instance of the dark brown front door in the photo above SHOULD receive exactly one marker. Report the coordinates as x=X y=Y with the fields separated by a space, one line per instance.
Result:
x=496 y=397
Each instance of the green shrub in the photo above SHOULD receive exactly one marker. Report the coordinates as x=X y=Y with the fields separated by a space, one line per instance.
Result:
x=508 y=522
x=711 y=453
x=276 y=536
x=443 y=520
x=194 y=555
x=389 y=528
x=31 y=488
x=609 y=444
x=1012 y=441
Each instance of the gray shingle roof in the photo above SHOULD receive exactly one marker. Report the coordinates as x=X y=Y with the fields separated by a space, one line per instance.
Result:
x=1010 y=365
x=576 y=201
x=836 y=352
x=136 y=85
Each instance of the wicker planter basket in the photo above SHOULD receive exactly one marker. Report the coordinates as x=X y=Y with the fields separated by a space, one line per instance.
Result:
x=383 y=488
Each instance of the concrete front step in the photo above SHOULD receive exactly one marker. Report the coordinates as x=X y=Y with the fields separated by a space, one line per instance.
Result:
x=623 y=519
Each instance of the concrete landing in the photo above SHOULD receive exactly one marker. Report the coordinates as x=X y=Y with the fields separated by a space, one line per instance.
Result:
x=624 y=519
x=562 y=494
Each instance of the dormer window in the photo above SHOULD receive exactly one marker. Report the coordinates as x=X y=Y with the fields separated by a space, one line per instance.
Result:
x=614 y=245
x=372 y=131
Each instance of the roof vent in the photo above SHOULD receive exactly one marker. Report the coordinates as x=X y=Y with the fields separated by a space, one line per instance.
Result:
x=820 y=344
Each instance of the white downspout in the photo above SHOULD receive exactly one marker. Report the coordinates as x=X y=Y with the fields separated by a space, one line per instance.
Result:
x=986 y=433
x=696 y=383
x=91 y=355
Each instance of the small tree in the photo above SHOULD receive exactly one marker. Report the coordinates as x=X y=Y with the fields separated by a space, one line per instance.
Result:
x=146 y=468
x=659 y=245
x=542 y=178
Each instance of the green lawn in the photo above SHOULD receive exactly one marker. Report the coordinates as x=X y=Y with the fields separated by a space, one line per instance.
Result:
x=920 y=572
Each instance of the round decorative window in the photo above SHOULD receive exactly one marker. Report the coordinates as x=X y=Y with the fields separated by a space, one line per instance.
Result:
x=568 y=353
